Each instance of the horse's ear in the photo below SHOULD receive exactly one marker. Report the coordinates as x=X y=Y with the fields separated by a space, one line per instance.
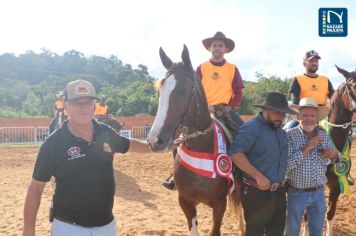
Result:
x=165 y=59
x=345 y=73
x=186 y=58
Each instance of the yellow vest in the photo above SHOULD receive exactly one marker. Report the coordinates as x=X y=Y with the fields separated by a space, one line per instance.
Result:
x=316 y=88
x=217 y=82
x=100 y=110
x=59 y=104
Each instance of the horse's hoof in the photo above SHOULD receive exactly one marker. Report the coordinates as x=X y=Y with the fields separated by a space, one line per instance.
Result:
x=169 y=185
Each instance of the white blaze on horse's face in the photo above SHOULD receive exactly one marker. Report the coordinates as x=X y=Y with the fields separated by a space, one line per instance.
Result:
x=163 y=105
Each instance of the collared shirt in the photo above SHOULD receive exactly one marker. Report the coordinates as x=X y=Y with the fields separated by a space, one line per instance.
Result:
x=85 y=183
x=309 y=171
x=265 y=148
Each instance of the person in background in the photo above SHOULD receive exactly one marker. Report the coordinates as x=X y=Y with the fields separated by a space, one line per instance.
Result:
x=58 y=108
x=101 y=109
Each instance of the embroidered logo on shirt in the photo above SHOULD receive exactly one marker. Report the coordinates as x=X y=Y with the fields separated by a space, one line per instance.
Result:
x=314 y=88
x=106 y=148
x=74 y=153
x=215 y=75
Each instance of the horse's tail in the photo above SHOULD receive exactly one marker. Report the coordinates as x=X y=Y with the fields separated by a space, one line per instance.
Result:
x=234 y=201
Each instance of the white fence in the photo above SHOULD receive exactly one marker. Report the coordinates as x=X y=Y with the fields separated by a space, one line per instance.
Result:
x=22 y=135
x=36 y=135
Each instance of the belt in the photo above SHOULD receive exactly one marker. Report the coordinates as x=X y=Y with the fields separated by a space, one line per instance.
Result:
x=312 y=189
x=64 y=220
x=251 y=183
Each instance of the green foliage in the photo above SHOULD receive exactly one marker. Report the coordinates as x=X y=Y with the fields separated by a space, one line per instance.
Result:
x=255 y=92
x=29 y=82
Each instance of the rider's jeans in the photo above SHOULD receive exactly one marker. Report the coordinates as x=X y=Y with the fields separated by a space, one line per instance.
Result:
x=315 y=206
x=236 y=118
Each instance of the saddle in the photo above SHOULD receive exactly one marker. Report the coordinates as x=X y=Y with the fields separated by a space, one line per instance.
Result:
x=222 y=115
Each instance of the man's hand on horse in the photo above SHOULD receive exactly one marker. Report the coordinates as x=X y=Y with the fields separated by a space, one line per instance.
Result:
x=220 y=110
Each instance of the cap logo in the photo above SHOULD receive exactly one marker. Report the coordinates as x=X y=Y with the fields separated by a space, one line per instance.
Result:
x=82 y=89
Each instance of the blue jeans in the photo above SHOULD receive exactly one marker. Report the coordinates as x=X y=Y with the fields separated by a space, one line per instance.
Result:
x=236 y=118
x=315 y=206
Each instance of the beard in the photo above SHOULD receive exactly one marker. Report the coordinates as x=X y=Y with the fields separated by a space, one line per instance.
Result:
x=308 y=128
x=275 y=124
x=312 y=69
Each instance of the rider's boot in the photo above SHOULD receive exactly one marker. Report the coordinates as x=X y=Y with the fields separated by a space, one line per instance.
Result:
x=169 y=183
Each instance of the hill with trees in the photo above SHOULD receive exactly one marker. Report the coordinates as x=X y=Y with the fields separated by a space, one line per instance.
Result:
x=29 y=83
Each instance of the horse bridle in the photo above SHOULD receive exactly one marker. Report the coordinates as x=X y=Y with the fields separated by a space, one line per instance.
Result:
x=193 y=94
x=351 y=97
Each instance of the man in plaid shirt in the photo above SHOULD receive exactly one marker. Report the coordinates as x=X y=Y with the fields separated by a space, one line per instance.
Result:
x=309 y=152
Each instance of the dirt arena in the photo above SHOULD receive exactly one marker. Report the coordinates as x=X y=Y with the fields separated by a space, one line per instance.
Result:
x=142 y=205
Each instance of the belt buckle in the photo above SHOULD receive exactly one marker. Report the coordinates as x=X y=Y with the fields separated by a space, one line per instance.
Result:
x=275 y=186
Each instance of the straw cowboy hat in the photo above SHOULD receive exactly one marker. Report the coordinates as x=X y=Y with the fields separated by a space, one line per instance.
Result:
x=229 y=43
x=277 y=102
x=311 y=102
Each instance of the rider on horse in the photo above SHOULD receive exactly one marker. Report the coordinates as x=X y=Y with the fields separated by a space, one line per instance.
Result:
x=101 y=109
x=310 y=84
x=58 y=109
x=222 y=84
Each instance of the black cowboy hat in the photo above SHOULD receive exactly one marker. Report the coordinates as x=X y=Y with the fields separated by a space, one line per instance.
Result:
x=277 y=102
x=229 y=43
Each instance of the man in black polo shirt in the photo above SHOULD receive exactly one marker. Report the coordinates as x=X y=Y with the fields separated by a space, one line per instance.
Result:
x=79 y=155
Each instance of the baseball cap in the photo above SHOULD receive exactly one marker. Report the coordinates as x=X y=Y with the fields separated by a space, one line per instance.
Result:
x=79 y=89
x=311 y=54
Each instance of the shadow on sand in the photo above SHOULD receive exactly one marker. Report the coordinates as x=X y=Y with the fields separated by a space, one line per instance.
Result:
x=128 y=189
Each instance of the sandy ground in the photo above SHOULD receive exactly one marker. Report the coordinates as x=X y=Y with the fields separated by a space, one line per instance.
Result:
x=142 y=205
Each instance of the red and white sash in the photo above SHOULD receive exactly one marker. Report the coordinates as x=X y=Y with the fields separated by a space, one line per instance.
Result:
x=209 y=164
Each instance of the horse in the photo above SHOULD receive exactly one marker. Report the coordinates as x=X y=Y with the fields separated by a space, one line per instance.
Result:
x=183 y=110
x=57 y=120
x=113 y=123
x=339 y=120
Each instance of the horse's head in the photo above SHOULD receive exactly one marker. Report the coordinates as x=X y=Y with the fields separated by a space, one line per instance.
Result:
x=349 y=94
x=176 y=92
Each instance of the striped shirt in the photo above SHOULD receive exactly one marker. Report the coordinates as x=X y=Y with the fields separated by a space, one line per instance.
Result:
x=309 y=171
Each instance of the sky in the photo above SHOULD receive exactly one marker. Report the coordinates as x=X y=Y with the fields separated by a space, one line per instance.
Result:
x=271 y=37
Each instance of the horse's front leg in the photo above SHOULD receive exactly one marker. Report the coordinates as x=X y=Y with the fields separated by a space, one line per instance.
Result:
x=190 y=212
x=218 y=215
